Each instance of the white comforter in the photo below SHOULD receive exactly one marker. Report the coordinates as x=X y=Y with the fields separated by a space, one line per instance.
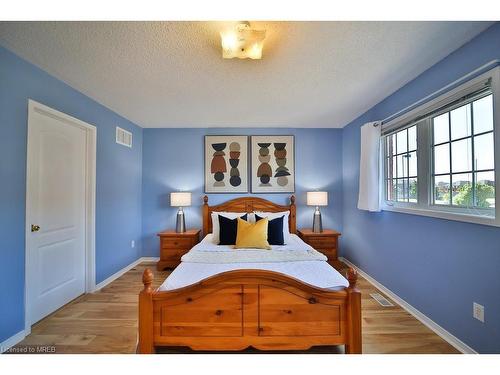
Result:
x=296 y=259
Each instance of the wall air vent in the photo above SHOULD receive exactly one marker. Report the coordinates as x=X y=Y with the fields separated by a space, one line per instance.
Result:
x=123 y=137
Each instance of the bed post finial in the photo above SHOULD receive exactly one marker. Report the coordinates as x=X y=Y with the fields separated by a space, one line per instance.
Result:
x=205 y=200
x=292 y=199
x=352 y=276
x=147 y=279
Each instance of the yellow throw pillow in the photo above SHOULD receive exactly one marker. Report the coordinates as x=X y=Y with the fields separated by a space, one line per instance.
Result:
x=252 y=235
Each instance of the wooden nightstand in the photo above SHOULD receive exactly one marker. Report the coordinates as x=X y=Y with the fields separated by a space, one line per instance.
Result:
x=326 y=242
x=174 y=245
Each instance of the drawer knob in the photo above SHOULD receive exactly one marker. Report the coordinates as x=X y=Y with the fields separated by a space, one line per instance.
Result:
x=312 y=300
x=218 y=312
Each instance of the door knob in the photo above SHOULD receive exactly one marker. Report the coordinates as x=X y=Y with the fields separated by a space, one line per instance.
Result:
x=35 y=228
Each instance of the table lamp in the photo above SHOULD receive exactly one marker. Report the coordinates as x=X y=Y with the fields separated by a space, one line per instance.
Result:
x=317 y=198
x=180 y=199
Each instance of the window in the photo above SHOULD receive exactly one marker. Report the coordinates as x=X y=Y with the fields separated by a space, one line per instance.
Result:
x=401 y=160
x=464 y=163
x=439 y=159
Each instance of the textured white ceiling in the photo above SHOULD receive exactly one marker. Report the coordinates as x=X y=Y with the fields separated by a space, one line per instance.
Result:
x=171 y=74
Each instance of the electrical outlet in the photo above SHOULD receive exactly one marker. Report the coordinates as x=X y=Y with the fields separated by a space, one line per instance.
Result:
x=132 y=243
x=478 y=311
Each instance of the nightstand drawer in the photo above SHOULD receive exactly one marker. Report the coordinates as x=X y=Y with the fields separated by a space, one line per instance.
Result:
x=322 y=242
x=177 y=243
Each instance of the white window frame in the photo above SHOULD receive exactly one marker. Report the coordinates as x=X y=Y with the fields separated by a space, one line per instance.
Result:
x=424 y=207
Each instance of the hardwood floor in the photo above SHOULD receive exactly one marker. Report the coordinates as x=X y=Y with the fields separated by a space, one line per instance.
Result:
x=106 y=322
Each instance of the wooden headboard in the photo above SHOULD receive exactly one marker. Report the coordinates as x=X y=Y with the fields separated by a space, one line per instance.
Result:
x=248 y=204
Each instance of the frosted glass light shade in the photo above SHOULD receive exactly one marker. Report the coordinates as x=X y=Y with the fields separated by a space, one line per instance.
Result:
x=242 y=42
x=180 y=199
x=317 y=198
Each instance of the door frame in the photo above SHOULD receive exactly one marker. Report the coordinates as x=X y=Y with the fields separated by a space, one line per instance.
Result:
x=90 y=198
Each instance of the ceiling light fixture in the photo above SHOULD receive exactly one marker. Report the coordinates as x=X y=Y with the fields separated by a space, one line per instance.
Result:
x=242 y=41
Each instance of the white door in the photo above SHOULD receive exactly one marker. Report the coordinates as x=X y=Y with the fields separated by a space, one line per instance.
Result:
x=56 y=212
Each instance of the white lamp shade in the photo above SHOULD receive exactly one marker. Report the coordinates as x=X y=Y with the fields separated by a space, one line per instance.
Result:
x=180 y=199
x=317 y=198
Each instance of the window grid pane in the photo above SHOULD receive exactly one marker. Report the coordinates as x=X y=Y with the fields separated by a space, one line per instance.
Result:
x=401 y=166
x=461 y=156
x=461 y=120
x=483 y=114
x=413 y=190
x=462 y=194
x=442 y=190
x=485 y=189
x=442 y=154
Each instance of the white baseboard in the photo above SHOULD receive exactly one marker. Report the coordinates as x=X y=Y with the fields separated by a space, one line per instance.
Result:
x=124 y=270
x=11 y=341
x=18 y=337
x=440 y=331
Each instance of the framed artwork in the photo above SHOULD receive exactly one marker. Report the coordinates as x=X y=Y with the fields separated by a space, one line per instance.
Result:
x=273 y=164
x=226 y=164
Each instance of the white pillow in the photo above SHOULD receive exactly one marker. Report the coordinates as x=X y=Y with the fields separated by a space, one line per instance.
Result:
x=229 y=215
x=274 y=215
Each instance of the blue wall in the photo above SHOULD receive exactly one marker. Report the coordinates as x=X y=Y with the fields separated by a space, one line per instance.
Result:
x=174 y=160
x=118 y=199
x=436 y=265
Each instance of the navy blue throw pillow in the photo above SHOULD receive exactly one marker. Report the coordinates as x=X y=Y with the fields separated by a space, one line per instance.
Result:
x=228 y=230
x=274 y=230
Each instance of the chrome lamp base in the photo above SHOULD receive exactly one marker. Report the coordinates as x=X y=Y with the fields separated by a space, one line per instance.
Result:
x=317 y=224
x=180 y=226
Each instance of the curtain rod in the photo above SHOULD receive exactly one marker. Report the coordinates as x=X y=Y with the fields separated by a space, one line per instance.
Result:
x=457 y=82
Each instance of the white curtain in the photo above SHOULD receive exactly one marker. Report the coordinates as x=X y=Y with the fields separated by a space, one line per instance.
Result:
x=369 y=168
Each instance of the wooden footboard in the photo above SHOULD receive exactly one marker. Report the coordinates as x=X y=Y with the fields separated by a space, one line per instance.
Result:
x=249 y=308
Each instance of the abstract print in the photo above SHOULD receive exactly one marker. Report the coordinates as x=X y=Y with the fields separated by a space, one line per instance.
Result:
x=273 y=164
x=225 y=154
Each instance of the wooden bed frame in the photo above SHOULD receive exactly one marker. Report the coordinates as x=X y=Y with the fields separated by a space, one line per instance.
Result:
x=249 y=308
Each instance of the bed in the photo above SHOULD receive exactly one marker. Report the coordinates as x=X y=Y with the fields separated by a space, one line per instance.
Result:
x=231 y=306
